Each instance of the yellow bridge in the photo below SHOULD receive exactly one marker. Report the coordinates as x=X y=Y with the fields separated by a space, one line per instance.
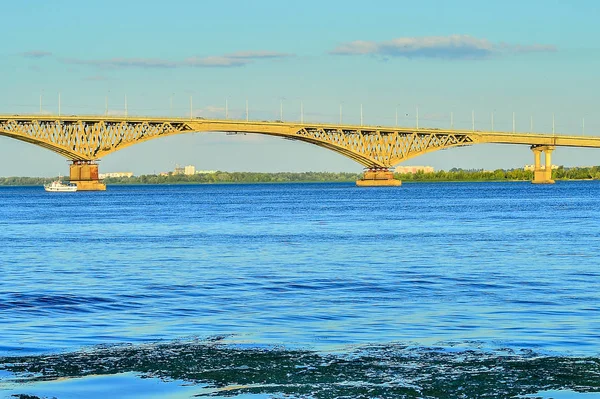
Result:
x=86 y=139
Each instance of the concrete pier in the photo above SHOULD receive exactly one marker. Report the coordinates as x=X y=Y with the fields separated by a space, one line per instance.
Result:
x=85 y=175
x=542 y=174
x=378 y=178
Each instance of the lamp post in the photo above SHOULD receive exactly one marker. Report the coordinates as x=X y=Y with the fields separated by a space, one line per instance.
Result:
x=513 y=121
x=106 y=103
x=281 y=100
x=417 y=118
x=361 y=114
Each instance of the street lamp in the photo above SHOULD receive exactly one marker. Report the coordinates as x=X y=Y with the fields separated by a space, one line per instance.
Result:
x=361 y=115
x=281 y=108
x=417 y=118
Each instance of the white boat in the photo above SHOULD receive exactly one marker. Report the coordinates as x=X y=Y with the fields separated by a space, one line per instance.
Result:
x=57 y=186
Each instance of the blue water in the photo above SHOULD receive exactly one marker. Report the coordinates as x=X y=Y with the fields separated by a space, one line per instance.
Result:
x=320 y=267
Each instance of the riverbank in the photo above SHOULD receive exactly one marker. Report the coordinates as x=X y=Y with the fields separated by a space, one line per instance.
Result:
x=453 y=175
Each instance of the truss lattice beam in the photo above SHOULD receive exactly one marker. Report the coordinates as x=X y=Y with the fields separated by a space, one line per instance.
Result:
x=89 y=138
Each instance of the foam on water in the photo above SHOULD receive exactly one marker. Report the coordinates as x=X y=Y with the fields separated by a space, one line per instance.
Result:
x=382 y=371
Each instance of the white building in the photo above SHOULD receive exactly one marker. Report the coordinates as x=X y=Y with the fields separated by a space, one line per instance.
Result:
x=115 y=174
x=189 y=170
x=414 y=169
x=532 y=167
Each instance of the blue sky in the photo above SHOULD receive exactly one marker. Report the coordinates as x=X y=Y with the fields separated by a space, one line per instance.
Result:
x=531 y=57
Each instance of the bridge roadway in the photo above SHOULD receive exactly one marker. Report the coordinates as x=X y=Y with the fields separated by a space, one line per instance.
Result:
x=86 y=139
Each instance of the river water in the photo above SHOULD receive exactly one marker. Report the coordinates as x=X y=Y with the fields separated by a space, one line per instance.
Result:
x=301 y=290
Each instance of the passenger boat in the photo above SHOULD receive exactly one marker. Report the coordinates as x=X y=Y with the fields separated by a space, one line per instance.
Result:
x=57 y=186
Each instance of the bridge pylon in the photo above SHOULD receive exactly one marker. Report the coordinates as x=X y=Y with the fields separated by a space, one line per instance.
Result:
x=378 y=177
x=542 y=174
x=85 y=175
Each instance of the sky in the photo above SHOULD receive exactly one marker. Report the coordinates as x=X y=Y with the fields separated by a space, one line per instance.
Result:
x=535 y=58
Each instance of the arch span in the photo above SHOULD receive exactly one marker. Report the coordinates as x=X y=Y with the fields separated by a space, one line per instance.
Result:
x=91 y=138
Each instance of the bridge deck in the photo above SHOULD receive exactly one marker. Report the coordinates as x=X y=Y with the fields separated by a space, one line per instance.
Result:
x=90 y=137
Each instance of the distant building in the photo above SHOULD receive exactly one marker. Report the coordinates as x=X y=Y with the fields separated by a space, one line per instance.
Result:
x=205 y=172
x=115 y=174
x=184 y=170
x=414 y=169
x=532 y=167
x=189 y=170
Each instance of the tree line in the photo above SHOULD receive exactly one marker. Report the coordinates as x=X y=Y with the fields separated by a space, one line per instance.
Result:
x=237 y=177
x=455 y=174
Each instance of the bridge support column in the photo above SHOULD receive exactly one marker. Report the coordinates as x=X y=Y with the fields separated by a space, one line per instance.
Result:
x=85 y=175
x=378 y=177
x=542 y=174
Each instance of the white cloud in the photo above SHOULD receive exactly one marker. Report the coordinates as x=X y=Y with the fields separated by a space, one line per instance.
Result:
x=214 y=61
x=447 y=47
x=356 y=47
x=123 y=62
x=36 y=54
x=228 y=60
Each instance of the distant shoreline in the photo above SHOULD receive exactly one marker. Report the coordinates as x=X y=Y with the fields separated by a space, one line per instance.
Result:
x=453 y=175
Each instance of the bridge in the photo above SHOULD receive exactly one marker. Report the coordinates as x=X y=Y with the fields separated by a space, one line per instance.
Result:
x=86 y=139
